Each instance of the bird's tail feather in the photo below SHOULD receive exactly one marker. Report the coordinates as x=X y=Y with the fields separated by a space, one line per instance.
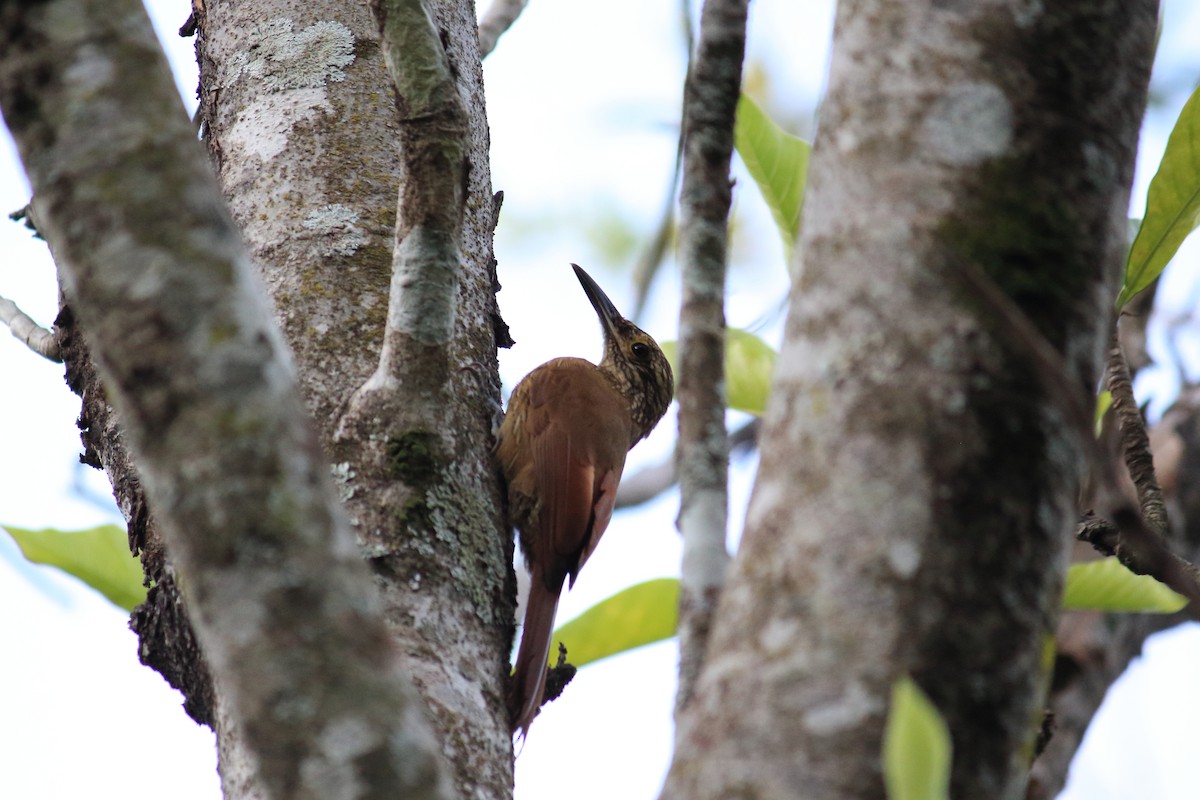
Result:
x=529 y=676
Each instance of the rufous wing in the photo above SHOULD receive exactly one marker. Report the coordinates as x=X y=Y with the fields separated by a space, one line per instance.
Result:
x=576 y=430
x=579 y=437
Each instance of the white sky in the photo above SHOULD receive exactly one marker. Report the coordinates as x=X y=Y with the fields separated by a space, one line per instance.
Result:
x=79 y=717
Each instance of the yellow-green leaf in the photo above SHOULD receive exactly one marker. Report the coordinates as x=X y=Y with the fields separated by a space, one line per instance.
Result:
x=1106 y=585
x=642 y=614
x=99 y=557
x=1103 y=403
x=1172 y=204
x=749 y=363
x=916 y=747
x=778 y=163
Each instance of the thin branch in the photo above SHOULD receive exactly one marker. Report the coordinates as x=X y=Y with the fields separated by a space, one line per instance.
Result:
x=499 y=17
x=650 y=482
x=24 y=215
x=1135 y=441
x=1144 y=552
x=651 y=257
x=34 y=336
x=710 y=103
x=1138 y=536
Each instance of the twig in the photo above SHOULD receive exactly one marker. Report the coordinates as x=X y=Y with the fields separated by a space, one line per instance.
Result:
x=36 y=338
x=1135 y=442
x=558 y=676
x=651 y=257
x=649 y=482
x=709 y=106
x=24 y=215
x=1138 y=539
x=499 y=17
x=1142 y=551
x=192 y=24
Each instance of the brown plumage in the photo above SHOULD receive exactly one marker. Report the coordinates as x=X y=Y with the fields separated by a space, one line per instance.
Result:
x=562 y=447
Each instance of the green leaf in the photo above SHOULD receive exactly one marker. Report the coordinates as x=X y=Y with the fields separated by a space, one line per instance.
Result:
x=99 y=557
x=1106 y=585
x=778 y=163
x=1172 y=204
x=916 y=747
x=749 y=364
x=642 y=614
x=1103 y=403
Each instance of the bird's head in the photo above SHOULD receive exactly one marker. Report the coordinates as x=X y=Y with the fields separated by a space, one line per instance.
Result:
x=633 y=359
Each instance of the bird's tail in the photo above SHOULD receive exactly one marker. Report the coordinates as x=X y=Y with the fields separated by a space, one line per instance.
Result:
x=529 y=676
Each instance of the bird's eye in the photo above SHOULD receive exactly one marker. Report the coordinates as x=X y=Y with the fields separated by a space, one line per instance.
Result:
x=640 y=350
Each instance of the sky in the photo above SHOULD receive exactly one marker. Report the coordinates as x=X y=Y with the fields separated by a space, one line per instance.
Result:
x=580 y=139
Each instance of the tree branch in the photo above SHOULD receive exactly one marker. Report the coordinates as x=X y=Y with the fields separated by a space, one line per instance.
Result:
x=199 y=375
x=1143 y=551
x=24 y=329
x=651 y=257
x=1135 y=442
x=498 y=18
x=649 y=482
x=710 y=104
x=1137 y=536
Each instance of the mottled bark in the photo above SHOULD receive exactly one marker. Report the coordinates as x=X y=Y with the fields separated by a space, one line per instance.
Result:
x=167 y=642
x=152 y=266
x=709 y=105
x=299 y=116
x=917 y=486
x=303 y=118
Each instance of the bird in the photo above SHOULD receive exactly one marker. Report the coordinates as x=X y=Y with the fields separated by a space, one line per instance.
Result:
x=561 y=448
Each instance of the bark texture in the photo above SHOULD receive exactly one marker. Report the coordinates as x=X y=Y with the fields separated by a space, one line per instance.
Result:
x=316 y=152
x=201 y=378
x=917 y=485
x=710 y=103
x=167 y=641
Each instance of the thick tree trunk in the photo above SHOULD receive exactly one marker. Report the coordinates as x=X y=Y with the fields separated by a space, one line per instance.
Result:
x=300 y=117
x=201 y=379
x=299 y=113
x=919 y=475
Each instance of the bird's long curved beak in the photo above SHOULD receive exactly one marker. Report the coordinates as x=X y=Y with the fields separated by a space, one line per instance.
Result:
x=604 y=308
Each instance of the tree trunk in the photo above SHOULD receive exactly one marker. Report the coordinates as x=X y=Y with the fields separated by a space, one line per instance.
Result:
x=299 y=115
x=919 y=473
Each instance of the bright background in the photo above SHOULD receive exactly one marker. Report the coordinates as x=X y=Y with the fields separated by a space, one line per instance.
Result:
x=583 y=101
